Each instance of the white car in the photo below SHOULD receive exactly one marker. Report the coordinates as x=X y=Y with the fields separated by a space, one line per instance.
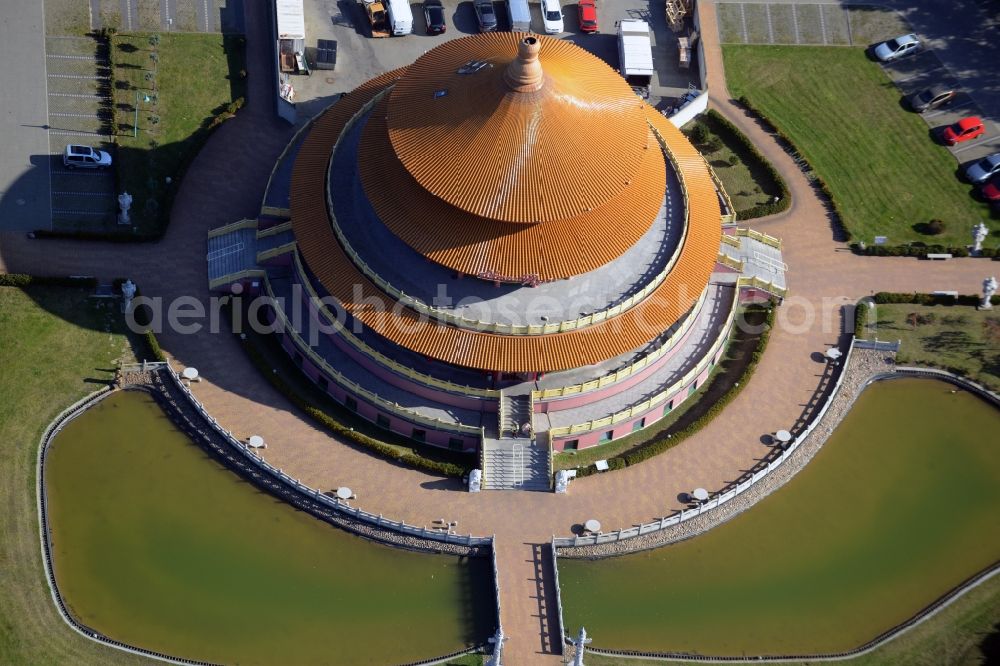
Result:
x=552 y=17
x=983 y=169
x=85 y=157
x=897 y=48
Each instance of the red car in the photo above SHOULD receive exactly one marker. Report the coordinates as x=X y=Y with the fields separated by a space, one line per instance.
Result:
x=588 y=16
x=991 y=190
x=965 y=129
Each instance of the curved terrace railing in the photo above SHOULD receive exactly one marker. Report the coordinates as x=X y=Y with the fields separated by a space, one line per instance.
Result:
x=719 y=499
x=361 y=391
x=646 y=405
x=494 y=327
x=628 y=371
x=376 y=520
x=379 y=357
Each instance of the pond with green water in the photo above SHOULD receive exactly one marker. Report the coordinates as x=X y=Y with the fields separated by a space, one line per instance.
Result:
x=157 y=545
x=899 y=507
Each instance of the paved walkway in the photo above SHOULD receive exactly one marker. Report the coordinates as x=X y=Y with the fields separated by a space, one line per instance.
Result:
x=225 y=183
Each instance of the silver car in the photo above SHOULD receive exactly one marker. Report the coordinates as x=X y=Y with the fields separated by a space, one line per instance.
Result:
x=85 y=157
x=897 y=48
x=980 y=171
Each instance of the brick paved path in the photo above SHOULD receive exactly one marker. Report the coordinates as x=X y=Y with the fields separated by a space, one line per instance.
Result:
x=226 y=182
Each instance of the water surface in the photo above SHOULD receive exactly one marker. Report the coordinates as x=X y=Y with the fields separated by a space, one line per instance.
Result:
x=157 y=545
x=899 y=507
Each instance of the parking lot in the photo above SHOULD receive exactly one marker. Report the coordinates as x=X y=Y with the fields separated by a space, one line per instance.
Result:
x=917 y=72
x=360 y=57
x=79 y=112
x=833 y=24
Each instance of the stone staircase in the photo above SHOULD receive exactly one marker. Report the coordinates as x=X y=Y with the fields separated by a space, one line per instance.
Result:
x=515 y=464
x=515 y=414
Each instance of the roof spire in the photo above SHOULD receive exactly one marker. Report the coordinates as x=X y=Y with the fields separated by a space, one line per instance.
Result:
x=524 y=73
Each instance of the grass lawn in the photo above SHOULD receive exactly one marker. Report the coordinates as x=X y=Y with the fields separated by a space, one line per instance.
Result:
x=743 y=175
x=843 y=113
x=194 y=79
x=48 y=363
x=958 y=338
x=963 y=634
x=739 y=353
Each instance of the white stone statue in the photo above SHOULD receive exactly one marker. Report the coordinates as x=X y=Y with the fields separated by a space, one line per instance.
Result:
x=989 y=288
x=124 y=202
x=979 y=234
x=475 y=480
x=581 y=642
x=128 y=293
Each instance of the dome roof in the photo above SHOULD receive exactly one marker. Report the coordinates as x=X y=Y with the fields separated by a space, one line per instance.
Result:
x=546 y=135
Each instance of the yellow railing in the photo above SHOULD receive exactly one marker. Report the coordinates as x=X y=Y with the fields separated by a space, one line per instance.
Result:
x=636 y=410
x=729 y=217
x=356 y=388
x=731 y=240
x=732 y=262
x=274 y=211
x=276 y=251
x=493 y=327
x=380 y=358
x=766 y=239
x=753 y=281
x=232 y=226
x=233 y=277
x=624 y=373
x=275 y=230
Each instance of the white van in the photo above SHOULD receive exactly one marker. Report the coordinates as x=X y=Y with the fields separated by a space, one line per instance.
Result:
x=520 y=15
x=400 y=17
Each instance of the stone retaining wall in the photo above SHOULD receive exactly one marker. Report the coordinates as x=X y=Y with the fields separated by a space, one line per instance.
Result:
x=864 y=364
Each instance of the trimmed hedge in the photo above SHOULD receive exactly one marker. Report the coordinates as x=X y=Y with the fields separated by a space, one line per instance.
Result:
x=336 y=427
x=760 y=210
x=23 y=280
x=919 y=250
x=896 y=298
x=666 y=439
x=789 y=147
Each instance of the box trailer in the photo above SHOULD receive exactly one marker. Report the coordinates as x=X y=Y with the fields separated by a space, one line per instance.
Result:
x=520 y=15
x=400 y=17
x=635 y=53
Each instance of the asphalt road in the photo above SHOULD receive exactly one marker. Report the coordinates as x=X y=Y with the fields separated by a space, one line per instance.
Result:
x=24 y=159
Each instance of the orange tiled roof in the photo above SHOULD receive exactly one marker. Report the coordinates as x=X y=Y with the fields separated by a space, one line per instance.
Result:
x=522 y=157
x=506 y=353
x=507 y=251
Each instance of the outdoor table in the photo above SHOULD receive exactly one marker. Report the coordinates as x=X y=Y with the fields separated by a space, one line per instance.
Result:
x=256 y=441
x=700 y=494
x=344 y=493
x=190 y=374
x=592 y=525
x=833 y=353
x=783 y=436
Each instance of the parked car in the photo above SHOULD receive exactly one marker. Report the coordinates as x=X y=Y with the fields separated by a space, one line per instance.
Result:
x=552 y=17
x=85 y=157
x=981 y=171
x=486 y=16
x=588 y=16
x=965 y=129
x=897 y=48
x=931 y=98
x=991 y=190
x=434 y=17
